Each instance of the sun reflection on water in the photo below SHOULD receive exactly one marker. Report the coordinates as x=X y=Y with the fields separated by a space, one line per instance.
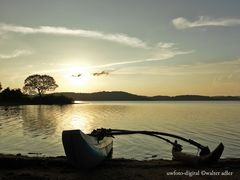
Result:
x=79 y=122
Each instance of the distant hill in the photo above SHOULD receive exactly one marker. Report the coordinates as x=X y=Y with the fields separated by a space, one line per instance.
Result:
x=105 y=96
x=196 y=98
x=125 y=96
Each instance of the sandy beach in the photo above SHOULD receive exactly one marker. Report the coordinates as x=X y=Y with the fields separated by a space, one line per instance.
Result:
x=49 y=168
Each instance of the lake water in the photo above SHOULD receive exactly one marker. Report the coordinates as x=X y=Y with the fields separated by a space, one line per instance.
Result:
x=37 y=128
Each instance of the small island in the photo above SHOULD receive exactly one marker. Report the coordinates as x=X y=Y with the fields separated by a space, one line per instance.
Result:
x=34 y=90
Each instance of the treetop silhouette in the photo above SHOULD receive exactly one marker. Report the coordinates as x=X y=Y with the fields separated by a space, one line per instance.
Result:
x=39 y=84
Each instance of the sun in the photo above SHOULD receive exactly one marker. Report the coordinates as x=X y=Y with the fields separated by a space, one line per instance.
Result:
x=78 y=76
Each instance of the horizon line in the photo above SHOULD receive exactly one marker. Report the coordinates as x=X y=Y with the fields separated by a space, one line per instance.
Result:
x=147 y=95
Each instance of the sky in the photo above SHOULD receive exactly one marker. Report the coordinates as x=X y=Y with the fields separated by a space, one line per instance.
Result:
x=154 y=47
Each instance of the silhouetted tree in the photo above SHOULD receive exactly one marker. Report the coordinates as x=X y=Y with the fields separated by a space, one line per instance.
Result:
x=0 y=86
x=39 y=84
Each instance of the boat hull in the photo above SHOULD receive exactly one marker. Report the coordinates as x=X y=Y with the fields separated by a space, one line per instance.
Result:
x=84 y=151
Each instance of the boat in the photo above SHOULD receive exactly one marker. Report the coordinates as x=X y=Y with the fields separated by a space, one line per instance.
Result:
x=85 y=151
x=89 y=150
x=196 y=160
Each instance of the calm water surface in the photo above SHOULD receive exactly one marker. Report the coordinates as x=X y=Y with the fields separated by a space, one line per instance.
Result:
x=38 y=128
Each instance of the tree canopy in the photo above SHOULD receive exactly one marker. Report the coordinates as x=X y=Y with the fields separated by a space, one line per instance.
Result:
x=39 y=84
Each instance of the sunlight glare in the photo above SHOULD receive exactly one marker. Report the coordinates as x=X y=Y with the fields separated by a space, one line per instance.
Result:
x=79 y=122
x=78 y=76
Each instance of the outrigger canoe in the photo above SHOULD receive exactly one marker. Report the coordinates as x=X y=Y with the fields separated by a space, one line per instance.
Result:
x=85 y=151
x=89 y=150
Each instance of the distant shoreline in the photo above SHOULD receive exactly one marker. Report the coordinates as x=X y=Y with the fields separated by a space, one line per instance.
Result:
x=29 y=104
x=125 y=96
x=85 y=102
x=65 y=98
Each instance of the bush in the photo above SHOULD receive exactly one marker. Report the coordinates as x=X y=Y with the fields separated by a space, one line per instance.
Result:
x=51 y=99
x=15 y=96
x=12 y=95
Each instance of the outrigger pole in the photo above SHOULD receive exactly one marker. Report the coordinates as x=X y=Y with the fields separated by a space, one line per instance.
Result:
x=102 y=132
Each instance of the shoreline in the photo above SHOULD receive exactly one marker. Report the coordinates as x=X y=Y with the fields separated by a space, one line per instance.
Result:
x=41 y=168
x=99 y=101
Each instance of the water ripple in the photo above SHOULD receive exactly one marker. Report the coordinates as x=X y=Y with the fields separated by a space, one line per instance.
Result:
x=41 y=126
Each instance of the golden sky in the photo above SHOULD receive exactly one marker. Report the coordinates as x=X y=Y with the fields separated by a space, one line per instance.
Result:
x=143 y=47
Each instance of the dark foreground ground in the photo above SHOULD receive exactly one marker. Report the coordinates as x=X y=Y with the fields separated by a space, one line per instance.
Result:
x=56 y=168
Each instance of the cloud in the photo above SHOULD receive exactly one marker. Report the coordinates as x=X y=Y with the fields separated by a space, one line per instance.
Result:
x=165 y=45
x=116 y=37
x=165 y=56
x=163 y=51
x=168 y=51
x=204 y=21
x=101 y=73
x=15 y=54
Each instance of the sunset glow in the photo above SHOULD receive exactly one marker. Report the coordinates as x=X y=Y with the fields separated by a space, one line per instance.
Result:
x=178 y=47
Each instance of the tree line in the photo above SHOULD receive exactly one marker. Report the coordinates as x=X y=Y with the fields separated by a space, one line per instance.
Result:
x=34 y=89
